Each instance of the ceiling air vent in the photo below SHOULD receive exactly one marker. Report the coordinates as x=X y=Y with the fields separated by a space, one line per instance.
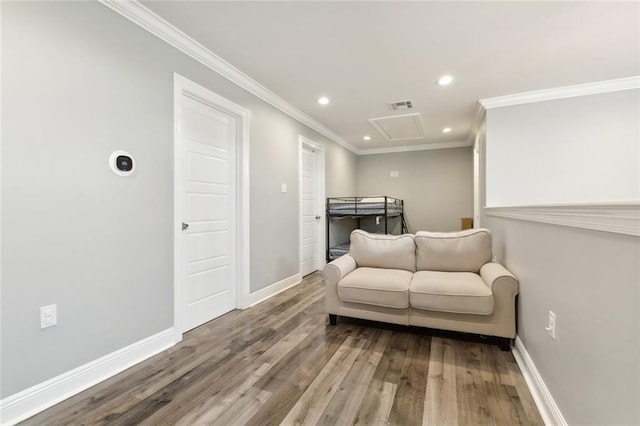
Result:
x=398 y=105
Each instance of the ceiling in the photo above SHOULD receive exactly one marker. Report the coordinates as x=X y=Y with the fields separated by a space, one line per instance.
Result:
x=362 y=55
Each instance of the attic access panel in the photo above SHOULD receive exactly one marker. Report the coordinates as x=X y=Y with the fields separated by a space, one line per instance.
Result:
x=399 y=127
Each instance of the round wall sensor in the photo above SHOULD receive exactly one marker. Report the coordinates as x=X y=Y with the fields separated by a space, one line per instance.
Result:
x=122 y=163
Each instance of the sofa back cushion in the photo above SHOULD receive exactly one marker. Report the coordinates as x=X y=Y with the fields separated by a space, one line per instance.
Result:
x=383 y=251
x=464 y=251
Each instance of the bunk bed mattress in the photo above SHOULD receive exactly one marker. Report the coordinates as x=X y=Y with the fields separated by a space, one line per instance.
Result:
x=371 y=206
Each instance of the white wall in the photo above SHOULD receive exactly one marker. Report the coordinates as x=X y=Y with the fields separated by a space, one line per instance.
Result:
x=590 y=279
x=578 y=150
x=78 y=82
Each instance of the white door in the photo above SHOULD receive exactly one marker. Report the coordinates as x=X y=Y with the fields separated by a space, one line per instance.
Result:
x=206 y=149
x=309 y=211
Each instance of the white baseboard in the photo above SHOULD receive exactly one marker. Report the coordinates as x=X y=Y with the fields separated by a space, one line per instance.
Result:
x=548 y=408
x=272 y=290
x=31 y=401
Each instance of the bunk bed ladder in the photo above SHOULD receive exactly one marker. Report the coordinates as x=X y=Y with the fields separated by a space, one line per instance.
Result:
x=405 y=228
x=403 y=224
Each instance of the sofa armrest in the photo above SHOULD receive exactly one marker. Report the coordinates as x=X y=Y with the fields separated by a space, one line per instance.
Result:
x=498 y=277
x=338 y=269
x=504 y=286
x=333 y=273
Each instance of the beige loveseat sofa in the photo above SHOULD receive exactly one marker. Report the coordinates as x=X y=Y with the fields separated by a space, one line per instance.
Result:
x=437 y=280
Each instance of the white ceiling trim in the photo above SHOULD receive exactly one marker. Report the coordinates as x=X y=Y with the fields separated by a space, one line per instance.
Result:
x=423 y=147
x=595 y=88
x=151 y=22
x=146 y=19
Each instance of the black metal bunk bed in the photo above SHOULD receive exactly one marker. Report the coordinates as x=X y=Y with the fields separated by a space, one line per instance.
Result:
x=358 y=207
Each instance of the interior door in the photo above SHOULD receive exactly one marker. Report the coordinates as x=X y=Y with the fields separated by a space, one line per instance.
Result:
x=309 y=210
x=207 y=140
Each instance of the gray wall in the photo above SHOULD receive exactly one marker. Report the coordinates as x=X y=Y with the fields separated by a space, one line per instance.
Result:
x=436 y=185
x=340 y=172
x=590 y=279
x=79 y=82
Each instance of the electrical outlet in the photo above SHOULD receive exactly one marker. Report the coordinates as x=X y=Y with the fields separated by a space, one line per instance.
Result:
x=48 y=316
x=551 y=325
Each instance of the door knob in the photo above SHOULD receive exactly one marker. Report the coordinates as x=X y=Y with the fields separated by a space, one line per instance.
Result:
x=318 y=217
x=184 y=226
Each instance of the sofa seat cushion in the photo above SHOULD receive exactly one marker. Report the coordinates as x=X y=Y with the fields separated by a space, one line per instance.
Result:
x=456 y=292
x=376 y=286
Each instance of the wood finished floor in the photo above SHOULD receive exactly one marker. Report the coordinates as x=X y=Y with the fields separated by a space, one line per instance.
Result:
x=281 y=363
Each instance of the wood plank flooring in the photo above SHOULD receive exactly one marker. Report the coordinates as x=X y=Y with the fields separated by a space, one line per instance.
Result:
x=281 y=363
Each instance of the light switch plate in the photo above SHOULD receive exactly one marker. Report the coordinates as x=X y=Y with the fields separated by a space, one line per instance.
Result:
x=284 y=188
x=48 y=316
x=551 y=325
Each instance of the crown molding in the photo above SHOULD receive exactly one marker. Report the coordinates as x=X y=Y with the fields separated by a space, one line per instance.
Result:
x=594 y=88
x=617 y=218
x=149 y=21
x=408 y=148
x=477 y=122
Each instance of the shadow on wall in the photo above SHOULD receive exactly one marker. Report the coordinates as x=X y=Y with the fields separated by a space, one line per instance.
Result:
x=340 y=230
x=376 y=224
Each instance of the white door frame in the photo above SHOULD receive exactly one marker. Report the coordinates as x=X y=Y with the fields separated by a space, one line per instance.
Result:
x=320 y=202
x=476 y=181
x=183 y=86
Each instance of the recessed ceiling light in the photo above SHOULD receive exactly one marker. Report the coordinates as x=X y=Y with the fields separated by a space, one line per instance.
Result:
x=323 y=100
x=446 y=130
x=367 y=138
x=445 y=80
